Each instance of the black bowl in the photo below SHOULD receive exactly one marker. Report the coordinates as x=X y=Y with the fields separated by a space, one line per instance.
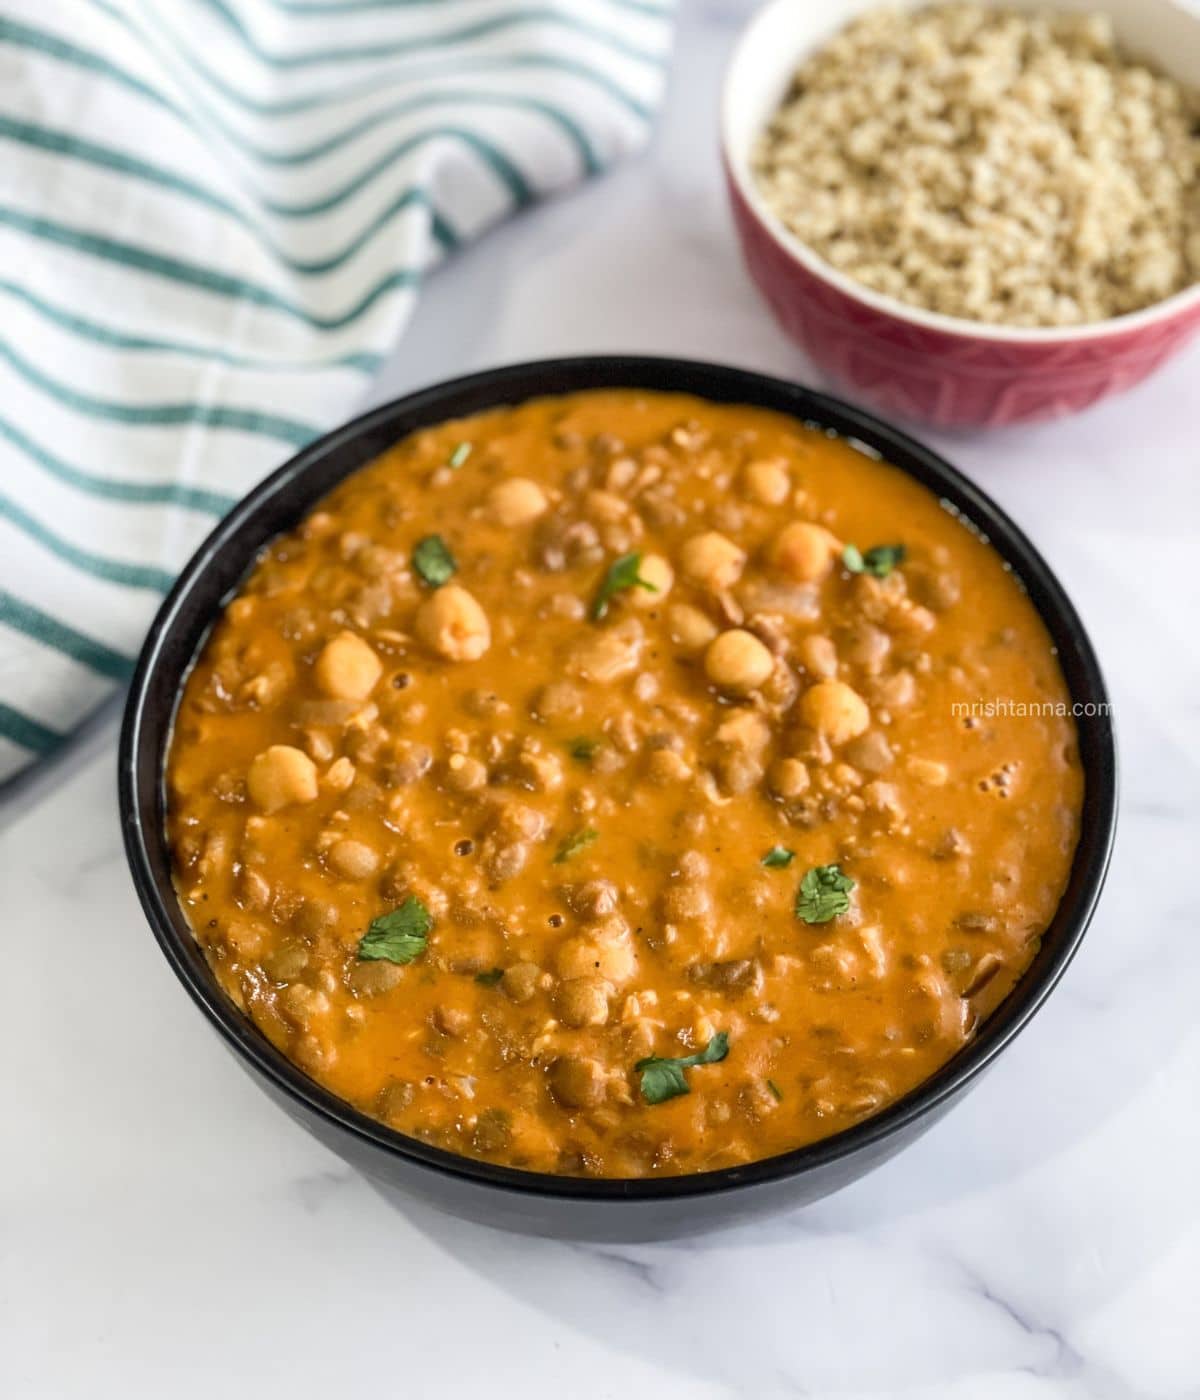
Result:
x=503 y=1196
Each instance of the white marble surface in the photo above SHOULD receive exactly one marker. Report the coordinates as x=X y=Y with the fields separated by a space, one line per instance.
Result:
x=164 y=1231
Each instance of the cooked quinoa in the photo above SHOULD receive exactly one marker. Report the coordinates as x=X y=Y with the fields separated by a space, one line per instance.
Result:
x=987 y=164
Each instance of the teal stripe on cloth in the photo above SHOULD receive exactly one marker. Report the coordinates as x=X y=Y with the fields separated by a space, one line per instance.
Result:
x=54 y=47
x=115 y=338
x=216 y=219
x=503 y=169
x=28 y=36
x=349 y=7
x=97 y=565
x=142 y=493
x=455 y=67
x=28 y=732
x=121 y=163
x=439 y=39
x=201 y=277
x=161 y=415
x=50 y=632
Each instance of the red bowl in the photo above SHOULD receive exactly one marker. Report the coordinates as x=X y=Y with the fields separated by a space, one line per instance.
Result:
x=919 y=364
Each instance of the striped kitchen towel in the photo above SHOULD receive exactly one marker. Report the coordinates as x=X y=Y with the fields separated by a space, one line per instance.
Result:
x=214 y=219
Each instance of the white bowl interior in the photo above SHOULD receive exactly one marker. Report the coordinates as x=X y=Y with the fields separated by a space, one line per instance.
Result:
x=784 y=32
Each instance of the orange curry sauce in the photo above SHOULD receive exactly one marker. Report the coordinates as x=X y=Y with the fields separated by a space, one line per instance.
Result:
x=573 y=812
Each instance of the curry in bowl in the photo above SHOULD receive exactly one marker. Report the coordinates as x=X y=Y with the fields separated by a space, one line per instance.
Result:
x=601 y=786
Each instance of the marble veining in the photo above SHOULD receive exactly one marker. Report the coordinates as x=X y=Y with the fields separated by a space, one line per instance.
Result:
x=165 y=1231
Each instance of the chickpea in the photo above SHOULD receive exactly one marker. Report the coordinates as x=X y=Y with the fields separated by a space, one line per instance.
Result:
x=465 y=774
x=683 y=902
x=835 y=710
x=583 y=1001
x=613 y=959
x=788 y=778
x=766 y=481
x=654 y=570
x=353 y=860
x=738 y=662
x=516 y=501
x=347 y=668
x=803 y=552
x=689 y=627
x=712 y=561
x=340 y=774
x=453 y=624
x=281 y=776
x=818 y=655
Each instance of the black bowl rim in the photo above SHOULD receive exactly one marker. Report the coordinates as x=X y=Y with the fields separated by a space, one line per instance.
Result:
x=530 y=379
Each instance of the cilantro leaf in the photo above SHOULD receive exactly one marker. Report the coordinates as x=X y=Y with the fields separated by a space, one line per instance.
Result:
x=490 y=977
x=778 y=858
x=583 y=748
x=622 y=574
x=664 y=1079
x=776 y=1091
x=432 y=559
x=852 y=559
x=823 y=894
x=458 y=456
x=397 y=937
x=878 y=561
x=577 y=841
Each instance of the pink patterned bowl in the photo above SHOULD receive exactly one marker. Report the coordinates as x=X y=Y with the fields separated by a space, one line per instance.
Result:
x=919 y=364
